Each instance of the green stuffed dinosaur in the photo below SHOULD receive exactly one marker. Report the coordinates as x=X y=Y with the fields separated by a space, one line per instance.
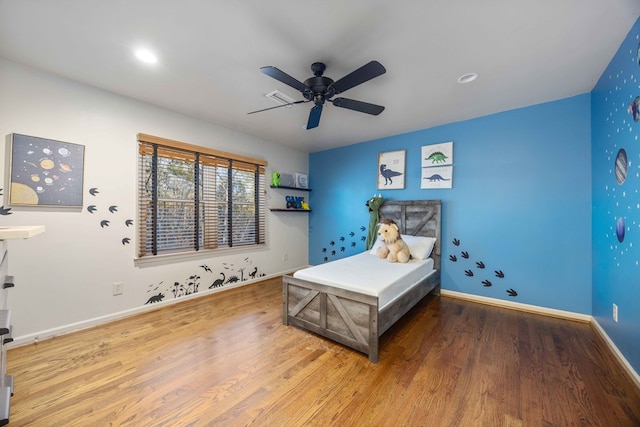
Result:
x=373 y=204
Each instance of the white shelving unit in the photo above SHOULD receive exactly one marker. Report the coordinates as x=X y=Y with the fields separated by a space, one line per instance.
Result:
x=6 y=283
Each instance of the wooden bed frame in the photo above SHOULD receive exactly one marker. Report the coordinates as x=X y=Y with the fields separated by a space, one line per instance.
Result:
x=354 y=319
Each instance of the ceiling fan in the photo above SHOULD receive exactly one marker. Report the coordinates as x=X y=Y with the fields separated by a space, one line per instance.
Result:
x=319 y=89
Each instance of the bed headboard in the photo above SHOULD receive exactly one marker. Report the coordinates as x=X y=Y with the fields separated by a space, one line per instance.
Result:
x=417 y=218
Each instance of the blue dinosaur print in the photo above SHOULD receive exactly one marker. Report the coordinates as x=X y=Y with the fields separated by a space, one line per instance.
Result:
x=436 y=177
x=388 y=174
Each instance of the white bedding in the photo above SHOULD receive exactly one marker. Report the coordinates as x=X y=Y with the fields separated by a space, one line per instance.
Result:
x=368 y=274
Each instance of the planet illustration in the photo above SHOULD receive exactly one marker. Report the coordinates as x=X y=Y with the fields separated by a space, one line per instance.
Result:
x=620 y=229
x=23 y=195
x=35 y=178
x=65 y=168
x=48 y=181
x=64 y=152
x=46 y=150
x=634 y=109
x=47 y=164
x=622 y=166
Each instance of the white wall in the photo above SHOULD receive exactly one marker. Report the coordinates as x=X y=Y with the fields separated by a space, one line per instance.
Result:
x=64 y=277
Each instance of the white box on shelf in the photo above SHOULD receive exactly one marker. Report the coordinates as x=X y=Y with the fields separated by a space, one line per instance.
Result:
x=301 y=180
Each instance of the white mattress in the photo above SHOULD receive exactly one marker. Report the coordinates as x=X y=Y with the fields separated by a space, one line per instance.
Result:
x=367 y=274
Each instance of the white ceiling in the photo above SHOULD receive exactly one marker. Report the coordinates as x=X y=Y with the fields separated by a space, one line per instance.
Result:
x=210 y=52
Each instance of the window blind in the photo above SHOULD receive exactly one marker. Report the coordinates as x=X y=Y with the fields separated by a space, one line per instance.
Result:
x=194 y=198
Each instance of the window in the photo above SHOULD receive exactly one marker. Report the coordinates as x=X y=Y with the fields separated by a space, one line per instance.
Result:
x=195 y=198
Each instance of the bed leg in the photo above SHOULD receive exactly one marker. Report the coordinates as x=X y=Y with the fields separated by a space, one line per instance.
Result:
x=436 y=290
x=374 y=338
x=285 y=301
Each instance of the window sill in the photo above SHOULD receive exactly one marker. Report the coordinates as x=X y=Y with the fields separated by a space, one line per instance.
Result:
x=163 y=259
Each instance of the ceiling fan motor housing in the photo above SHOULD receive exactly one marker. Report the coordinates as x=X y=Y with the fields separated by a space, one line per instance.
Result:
x=319 y=86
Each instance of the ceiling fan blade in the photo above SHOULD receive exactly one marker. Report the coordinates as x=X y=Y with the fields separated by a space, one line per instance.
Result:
x=363 y=74
x=314 y=116
x=284 y=78
x=278 y=106
x=363 y=107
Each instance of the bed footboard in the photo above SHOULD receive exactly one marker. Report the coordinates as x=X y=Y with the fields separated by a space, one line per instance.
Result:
x=392 y=312
x=347 y=317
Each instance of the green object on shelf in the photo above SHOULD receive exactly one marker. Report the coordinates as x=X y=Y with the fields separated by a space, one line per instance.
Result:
x=275 y=179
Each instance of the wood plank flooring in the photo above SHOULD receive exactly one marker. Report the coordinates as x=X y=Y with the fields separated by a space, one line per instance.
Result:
x=227 y=360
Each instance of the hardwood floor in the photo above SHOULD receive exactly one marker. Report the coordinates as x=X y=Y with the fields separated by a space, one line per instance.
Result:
x=227 y=360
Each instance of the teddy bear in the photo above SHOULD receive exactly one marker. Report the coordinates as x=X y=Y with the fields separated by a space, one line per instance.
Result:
x=393 y=248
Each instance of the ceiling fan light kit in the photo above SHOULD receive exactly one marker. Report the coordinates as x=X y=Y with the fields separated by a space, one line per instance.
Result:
x=320 y=89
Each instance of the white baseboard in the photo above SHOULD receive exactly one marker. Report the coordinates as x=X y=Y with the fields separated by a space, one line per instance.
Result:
x=518 y=306
x=617 y=354
x=635 y=378
x=72 y=327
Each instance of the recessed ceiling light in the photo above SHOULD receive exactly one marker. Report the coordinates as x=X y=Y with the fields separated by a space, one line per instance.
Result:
x=147 y=56
x=467 y=78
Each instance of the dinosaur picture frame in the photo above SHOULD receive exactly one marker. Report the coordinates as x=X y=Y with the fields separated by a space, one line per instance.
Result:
x=391 y=171
x=437 y=169
x=437 y=177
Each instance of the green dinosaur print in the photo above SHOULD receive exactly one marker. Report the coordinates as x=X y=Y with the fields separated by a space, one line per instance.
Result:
x=437 y=157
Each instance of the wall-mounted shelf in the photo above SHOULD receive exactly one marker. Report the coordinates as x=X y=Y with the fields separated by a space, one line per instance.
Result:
x=290 y=188
x=20 y=231
x=284 y=187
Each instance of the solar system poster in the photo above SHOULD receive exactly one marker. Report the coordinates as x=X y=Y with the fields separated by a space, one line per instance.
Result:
x=45 y=172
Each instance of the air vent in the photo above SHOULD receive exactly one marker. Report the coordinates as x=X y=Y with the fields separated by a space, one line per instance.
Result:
x=280 y=98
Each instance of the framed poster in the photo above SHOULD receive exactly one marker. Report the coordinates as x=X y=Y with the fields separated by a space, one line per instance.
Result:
x=437 y=154
x=45 y=172
x=437 y=169
x=391 y=170
x=437 y=177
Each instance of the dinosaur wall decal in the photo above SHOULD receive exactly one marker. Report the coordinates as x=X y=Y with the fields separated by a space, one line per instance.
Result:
x=480 y=267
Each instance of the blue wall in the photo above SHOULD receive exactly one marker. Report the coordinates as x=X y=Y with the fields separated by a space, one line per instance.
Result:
x=616 y=267
x=520 y=202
